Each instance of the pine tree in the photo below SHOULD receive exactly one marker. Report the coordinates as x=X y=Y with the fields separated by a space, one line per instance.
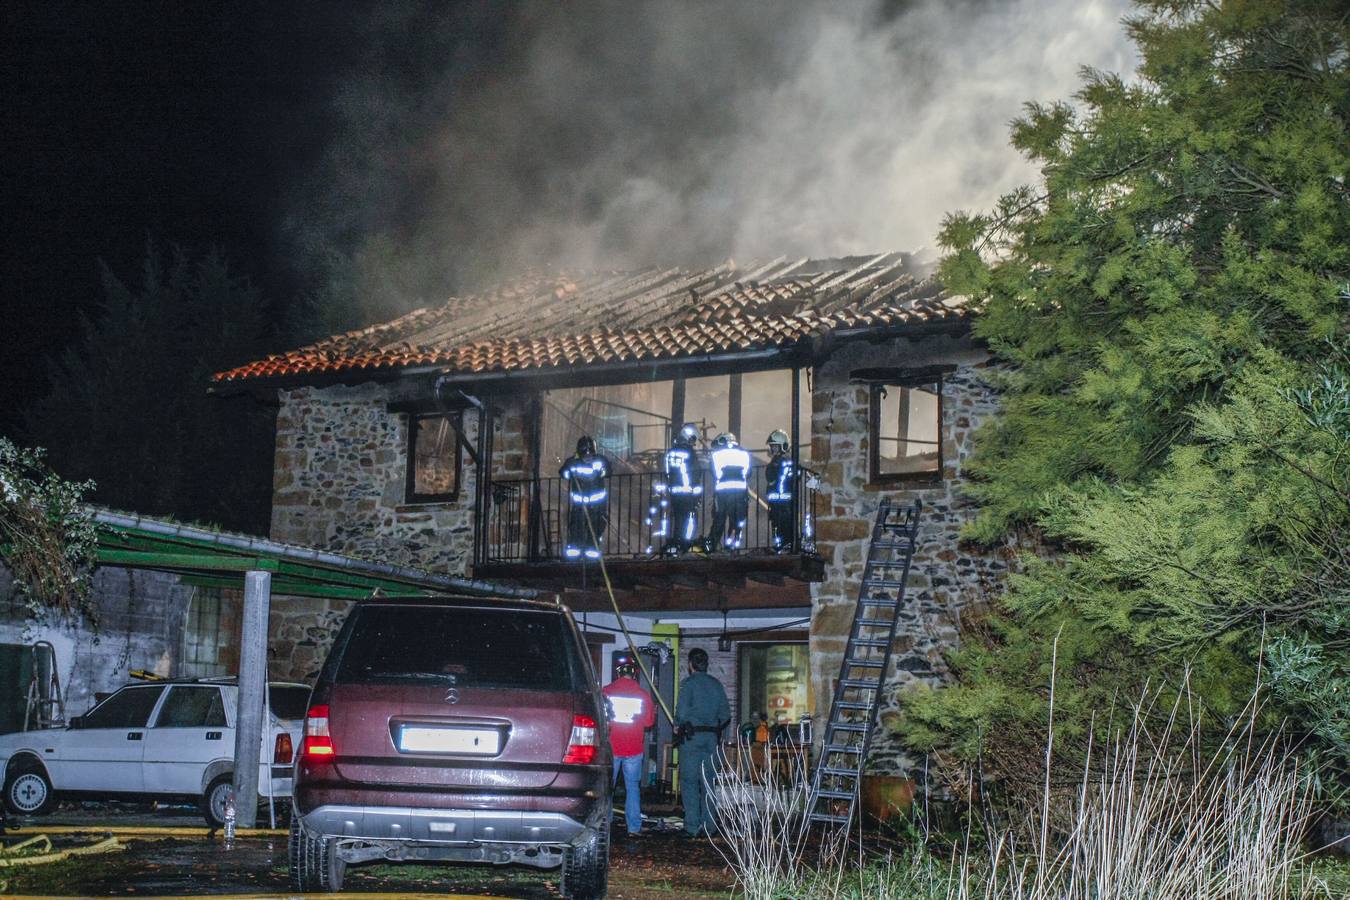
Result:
x=129 y=406
x=1170 y=300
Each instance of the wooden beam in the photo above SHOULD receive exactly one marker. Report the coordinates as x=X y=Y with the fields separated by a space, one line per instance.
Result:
x=790 y=596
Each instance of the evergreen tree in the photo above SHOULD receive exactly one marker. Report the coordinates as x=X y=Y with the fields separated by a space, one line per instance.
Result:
x=1170 y=302
x=129 y=406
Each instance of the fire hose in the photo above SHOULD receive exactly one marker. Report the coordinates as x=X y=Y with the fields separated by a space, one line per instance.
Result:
x=21 y=854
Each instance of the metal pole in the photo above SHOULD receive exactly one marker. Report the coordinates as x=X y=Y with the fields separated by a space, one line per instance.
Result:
x=248 y=718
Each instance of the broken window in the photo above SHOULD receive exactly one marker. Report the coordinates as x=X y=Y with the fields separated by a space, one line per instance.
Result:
x=208 y=647
x=905 y=431
x=628 y=421
x=433 y=458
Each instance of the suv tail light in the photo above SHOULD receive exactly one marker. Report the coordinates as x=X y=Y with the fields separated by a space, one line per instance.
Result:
x=317 y=741
x=284 y=752
x=581 y=746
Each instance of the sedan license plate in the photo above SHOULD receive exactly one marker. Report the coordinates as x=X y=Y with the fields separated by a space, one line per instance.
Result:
x=481 y=741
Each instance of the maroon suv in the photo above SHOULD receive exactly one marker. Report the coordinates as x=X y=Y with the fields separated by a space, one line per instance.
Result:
x=454 y=729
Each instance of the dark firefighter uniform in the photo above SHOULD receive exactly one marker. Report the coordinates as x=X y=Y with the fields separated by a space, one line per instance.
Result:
x=586 y=474
x=680 y=493
x=731 y=493
x=703 y=708
x=780 y=477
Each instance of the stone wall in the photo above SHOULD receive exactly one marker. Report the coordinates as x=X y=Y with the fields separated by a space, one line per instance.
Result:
x=945 y=577
x=300 y=631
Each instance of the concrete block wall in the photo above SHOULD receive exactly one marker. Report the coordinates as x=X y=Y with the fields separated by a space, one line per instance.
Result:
x=946 y=577
x=141 y=616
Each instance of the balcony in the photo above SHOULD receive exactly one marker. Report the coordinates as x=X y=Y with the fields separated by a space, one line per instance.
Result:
x=526 y=528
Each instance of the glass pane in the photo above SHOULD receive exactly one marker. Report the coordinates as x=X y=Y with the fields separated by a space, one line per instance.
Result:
x=707 y=404
x=629 y=422
x=192 y=707
x=775 y=681
x=908 y=430
x=128 y=708
x=766 y=404
x=805 y=381
x=435 y=455
x=288 y=701
x=464 y=647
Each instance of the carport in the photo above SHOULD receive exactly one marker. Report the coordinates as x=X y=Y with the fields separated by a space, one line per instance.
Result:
x=261 y=568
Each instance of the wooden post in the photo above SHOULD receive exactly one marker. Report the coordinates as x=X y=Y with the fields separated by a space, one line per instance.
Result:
x=248 y=716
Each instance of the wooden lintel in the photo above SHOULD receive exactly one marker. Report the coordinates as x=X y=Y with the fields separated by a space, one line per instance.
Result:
x=794 y=594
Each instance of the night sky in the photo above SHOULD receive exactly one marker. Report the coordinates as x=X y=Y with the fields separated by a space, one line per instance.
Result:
x=181 y=123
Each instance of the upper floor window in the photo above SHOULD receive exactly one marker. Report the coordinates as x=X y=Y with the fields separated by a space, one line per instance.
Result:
x=433 y=458
x=905 y=428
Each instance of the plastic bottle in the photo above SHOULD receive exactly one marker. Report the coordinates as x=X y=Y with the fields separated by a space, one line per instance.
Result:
x=229 y=821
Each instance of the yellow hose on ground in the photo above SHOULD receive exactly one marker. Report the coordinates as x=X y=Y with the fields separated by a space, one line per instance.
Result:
x=147 y=830
x=9 y=856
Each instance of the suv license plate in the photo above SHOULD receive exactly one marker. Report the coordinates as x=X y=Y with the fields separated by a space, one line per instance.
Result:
x=482 y=741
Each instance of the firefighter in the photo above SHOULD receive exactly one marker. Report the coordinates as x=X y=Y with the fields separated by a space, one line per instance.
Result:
x=681 y=492
x=731 y=493
x=780 y=478
x=586 y=474
x=631 y=714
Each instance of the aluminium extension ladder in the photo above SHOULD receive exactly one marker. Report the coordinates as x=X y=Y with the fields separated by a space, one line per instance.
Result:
x=867 y=656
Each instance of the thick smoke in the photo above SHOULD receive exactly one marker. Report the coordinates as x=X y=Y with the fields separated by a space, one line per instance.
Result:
x=498 y=139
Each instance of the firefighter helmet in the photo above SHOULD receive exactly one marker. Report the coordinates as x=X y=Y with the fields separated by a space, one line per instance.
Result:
x=778 y=441
x=626 y=668
x=585 y=445
x=688 y=435
x=725 y=439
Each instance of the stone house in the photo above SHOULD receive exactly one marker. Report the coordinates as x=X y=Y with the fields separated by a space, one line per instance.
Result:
x=434 y=440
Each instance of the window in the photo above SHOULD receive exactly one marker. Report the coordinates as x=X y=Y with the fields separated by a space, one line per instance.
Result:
x=128 y=708
x=433 y=458
x=628 y=421
x=464 y=647
x=766 y=404
x=905 y=431
x=707 y=403
x=192 y=707
x=211 y=622
x=288 y=701
x=775 y=679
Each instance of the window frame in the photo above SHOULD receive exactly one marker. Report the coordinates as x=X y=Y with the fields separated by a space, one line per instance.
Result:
x=874 y=474
x=410 y=494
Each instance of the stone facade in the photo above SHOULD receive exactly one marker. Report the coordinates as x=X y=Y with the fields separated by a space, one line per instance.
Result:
x=340 y=476
x=945 y=577
x=300 y=630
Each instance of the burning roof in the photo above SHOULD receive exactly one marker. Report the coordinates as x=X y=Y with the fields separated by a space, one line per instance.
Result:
x=541 y=322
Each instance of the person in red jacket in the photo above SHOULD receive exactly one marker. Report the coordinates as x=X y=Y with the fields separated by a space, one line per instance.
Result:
x=631 y=714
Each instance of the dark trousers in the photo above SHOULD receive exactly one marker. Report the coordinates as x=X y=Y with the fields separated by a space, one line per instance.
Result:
x=729 y=511
x=579 y=533
x=683 y=522
x=782 y=523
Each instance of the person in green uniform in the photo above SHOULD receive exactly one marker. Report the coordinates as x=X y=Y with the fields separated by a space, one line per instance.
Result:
x=701 y=714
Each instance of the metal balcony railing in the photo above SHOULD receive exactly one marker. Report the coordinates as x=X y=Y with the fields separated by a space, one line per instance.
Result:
x=527 y=519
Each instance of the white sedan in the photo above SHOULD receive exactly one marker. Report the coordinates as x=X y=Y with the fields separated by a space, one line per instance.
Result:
x=163 y=738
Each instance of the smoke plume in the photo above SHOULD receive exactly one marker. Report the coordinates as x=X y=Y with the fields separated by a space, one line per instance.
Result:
x=494 y=139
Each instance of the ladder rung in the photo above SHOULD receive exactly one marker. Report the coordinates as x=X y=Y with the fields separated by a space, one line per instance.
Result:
x=888 y=604
x=835 y=795
x=874 y=623
x=860 y=683
x=833 y=820
x=851 y=704
x=838 y=773
x=849 y=726
x=869 y=642
x=841 y=748
x=869 y=663
x=883 y=583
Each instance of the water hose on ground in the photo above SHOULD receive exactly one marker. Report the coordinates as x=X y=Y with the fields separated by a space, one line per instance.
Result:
x=15 y=854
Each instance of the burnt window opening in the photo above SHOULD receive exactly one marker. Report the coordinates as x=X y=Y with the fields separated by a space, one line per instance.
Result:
x=435 y=462
x=905 y=432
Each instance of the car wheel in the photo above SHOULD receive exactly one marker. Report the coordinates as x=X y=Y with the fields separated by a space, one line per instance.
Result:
x=314 y=863
x=28 y=791
x=213 y=801
x=585 y=869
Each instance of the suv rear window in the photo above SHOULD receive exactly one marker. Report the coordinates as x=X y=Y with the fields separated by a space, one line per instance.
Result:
x=467 y=647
